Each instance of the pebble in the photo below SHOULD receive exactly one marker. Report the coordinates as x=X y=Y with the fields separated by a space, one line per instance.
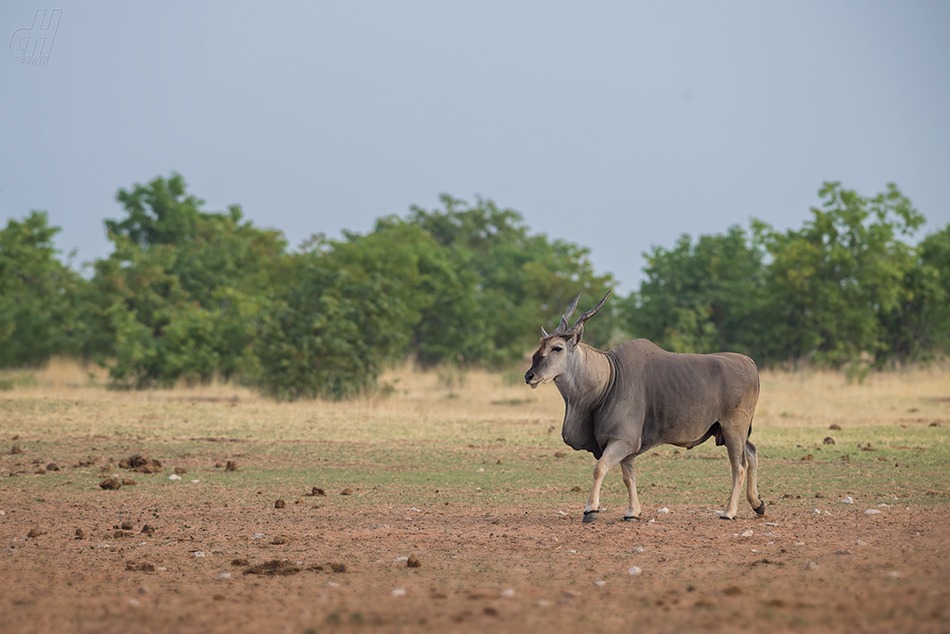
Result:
x=133 y=602
x=771 y=523
x=332 y=584
x=399 y=560
x=198 y=553
x=816 y=511
x=811 y=565
x=508 y=593
x=748 y=533
x=544 y=603
x=479 y=470
x=860 y=543
x=224 y=575
x=871 y=512
x=848 y=500
x=894 y=575
x=194 y=481
x=416 y=510
x=799 y=543
x=3 y=513
x=399 y=592
x=174 y=477
x=638 y=549
x=634 y=571
x=257 y=535
x=102 y=545
x=600 y=583
x=663 y=511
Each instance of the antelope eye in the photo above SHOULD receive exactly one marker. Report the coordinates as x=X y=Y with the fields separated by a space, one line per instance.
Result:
x=558 y=348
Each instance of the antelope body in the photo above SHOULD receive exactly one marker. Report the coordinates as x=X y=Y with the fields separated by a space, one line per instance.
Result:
x=622 y=403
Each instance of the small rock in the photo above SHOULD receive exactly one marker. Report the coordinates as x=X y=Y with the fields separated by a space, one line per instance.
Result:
x=181 y=470
x=257 y=535
x=479 y=470
x=894 y=575
x=279 y=504
x=80 y=533
x=634 y=571
x=129 y=482
x=232 y=465
x=871 y=512
x=748 y=533
x=816 y=511
x=860 y=543
x=346 y=491
x=198 y=553
x=224 y=575
x=399 y=592
x=848 y=500
x=561 y=512
x=399 y=560
x=637 y=549
x=34 y=533
x=174 y=477
x=508 y=593
x=600 y=583
x=148 y=530
x=17 y=450
x=811 y=565
x=127 y=526
x=335 y=567
x=317 y=492
x=663 y=511
x=808 y=457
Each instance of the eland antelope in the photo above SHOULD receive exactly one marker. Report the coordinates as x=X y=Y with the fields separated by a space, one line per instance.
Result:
x=620 y=404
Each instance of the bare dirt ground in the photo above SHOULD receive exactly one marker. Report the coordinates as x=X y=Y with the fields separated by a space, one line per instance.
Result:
x=156 y=559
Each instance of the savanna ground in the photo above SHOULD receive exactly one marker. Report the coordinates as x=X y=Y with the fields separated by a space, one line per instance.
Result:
x=472 y=484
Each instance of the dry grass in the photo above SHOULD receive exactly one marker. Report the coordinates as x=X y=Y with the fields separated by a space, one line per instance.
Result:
x=68 y=399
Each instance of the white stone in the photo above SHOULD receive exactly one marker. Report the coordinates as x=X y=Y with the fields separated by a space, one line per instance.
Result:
x=224 y=575
x=479 y=470
x=508 y=593
x=634 y=571
x=198 y=553
x=871 y=512
x=174 y=477
x=748 y=533
x=859 y=543
x=332 y=584
x=399 y=592
x=257 y=535
x=848 y=500
x=600 y=583
x=194 y=481
x=816 y=511
x=133 y=602
x=561 y=512
x=416 y=510
x=663 y=511
x=399 y=560
x=638 y=549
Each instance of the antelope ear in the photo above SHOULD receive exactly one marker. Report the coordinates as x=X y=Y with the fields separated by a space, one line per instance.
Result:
x=576 y=334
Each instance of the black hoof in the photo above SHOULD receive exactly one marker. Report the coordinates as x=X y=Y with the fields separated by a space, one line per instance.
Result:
x=590 y=516
x=761 y=509
x=631 y=518
x=724 y=517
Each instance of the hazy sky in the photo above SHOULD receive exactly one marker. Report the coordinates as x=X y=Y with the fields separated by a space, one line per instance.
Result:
x=613 y=125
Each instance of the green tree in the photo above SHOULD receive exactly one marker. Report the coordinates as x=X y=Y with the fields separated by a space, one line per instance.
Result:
x=40 y=296
x=182 y=295
x=515 y=281
x=700 y=297
x=830 y=281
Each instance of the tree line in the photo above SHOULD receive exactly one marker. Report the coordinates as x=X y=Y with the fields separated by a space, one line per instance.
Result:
x=190 y=295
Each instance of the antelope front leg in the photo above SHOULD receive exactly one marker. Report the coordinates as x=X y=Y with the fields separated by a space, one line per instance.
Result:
x=610 y=457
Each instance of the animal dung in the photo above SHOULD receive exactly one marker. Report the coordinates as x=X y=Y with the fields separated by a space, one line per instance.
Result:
x=279 y=504
x=111 y=484
x=828 y=440
x=346 y=491
x=413 y=562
